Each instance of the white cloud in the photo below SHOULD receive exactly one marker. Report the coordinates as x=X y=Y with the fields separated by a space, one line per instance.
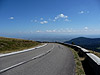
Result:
x=44 y=22
x=86 y=28
x=50 y=30
x=11 y=18
x=66 y=20
x=35 y=20
x=54 y=20
x=38 y=31
x=56 y=17
x=54 y=30
x=60 y=16
x=60 y=30
x=81 y=12
x=41 y=18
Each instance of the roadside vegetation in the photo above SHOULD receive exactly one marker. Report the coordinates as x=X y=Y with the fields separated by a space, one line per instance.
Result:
x=12 y=44
x=79 y=68
x=96 y=53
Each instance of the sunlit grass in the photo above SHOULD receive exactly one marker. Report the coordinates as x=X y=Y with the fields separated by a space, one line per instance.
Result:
x=79 y=68
x=96 y=53
x=11 y=44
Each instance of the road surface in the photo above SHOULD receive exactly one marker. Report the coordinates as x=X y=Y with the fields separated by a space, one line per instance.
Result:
x=53 y=59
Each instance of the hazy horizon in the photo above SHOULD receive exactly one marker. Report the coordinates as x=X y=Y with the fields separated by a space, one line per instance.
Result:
x=50 y=37
x=49 y=19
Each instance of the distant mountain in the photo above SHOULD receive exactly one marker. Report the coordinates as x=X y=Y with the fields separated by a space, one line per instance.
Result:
x=89 y=43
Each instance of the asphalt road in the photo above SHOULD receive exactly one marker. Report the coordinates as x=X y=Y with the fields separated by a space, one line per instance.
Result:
x=59 y=61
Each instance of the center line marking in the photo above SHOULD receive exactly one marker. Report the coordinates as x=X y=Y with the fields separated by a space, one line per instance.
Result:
x=40 y=55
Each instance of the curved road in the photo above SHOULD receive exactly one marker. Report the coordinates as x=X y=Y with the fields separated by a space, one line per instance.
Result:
x=55 y=59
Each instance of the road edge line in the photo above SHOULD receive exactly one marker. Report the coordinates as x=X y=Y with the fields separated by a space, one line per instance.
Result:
x=21 y=63
x=22 y=51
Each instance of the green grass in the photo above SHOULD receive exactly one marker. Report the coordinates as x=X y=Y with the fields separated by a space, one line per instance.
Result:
x=11 y=44
x=79 y=68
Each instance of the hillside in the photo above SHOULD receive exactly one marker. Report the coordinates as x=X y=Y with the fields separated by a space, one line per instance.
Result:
x=11 y=44
x=89 y=43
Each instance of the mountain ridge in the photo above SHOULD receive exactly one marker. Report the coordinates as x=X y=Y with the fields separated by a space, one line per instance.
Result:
x=88 y=43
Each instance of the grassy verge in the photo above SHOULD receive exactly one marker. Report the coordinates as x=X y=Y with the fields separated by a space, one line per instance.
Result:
x=10 y=44
x=79 y=68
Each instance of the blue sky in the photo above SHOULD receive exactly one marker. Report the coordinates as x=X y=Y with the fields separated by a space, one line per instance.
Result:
x=49 y=17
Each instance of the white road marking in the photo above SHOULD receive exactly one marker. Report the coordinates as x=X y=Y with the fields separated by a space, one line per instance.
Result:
x=12 y=53
x=3 y=70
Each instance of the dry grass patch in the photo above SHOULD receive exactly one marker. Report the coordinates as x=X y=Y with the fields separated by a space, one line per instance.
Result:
x=79 y=68
x=11 y=44
x=96 y=53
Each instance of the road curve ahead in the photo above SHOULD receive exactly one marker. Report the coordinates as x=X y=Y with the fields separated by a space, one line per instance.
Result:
x=53 y=59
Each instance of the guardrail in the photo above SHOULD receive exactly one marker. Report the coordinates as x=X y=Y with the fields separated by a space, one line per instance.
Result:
x=91 y=59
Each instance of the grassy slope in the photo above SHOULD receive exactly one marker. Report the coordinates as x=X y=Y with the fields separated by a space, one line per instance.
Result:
x=11 y=44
